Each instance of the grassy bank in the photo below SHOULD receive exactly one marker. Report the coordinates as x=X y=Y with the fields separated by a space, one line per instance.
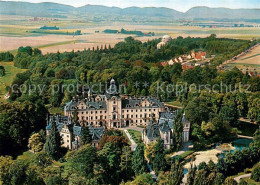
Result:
x=10 y=73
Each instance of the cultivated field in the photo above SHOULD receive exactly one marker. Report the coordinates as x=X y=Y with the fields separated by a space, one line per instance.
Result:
x=16 y=31
x=252 y=57
x=248 y=62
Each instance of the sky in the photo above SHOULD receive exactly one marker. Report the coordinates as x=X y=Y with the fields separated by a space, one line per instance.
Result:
x=180 y=5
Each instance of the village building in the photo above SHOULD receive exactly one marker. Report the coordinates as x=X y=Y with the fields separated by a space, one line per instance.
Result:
x=114 y=111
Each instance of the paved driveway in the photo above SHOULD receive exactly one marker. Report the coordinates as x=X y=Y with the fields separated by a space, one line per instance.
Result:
x=238 y=178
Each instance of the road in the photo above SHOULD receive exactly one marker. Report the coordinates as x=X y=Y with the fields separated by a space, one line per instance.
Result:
x=245 y=137
x=241 y=177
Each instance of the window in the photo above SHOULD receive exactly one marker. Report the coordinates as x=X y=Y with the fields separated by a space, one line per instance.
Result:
x=96 y=112
x=127 y=115
x=82 y=117
x=68 y=136
x=91 y=112
x=131 y=110
x=101 y=112
x=67 y=140
x=132 y=116
x=96 y=117
x=114 y=116
x=122 y=116
x=114 y=102
x=136 y=121
x=136 y=115
x=114 y=108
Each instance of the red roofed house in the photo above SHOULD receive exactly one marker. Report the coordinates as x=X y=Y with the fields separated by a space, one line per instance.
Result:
x=185 y=67
x=164 y=63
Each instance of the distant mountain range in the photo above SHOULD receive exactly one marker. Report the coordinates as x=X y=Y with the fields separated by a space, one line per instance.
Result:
x=61 y=10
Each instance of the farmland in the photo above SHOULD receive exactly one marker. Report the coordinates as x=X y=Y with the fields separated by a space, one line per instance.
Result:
x=249 y=61
x=16 y=31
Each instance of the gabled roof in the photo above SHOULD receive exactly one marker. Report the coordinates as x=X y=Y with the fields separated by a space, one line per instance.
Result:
x=152 y=131
x=77 y=130
x=164 y=126
x=96 y=132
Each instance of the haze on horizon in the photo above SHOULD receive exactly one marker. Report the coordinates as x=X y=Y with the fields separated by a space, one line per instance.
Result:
x=179 y=5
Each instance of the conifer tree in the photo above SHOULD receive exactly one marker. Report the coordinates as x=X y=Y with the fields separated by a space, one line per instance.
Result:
x=159 y=162
x=53 y=142
x=75 y=118
x=126 y=163
x=85 y=135
x=178 y=129
x=139 y=163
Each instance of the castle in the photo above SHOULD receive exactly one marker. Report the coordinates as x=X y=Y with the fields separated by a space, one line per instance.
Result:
x=110 y=110
x=113 y=111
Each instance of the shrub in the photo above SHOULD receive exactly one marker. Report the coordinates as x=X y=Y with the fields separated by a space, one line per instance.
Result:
x=2 y=71
x=256 y=174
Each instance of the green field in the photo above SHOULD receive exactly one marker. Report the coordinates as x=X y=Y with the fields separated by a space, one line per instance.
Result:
x=6 y=80
x=174 y=103
x=14 y=52
x=56 y=110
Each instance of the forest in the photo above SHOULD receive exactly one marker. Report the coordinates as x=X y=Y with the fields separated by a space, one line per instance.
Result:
x=213 y=114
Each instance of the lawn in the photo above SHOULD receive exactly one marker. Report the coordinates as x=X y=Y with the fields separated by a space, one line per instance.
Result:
x=26 y=155
x=136 y=135
x=7 y=80
x=174 y=103
x=56 y=110
x=187 y=153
